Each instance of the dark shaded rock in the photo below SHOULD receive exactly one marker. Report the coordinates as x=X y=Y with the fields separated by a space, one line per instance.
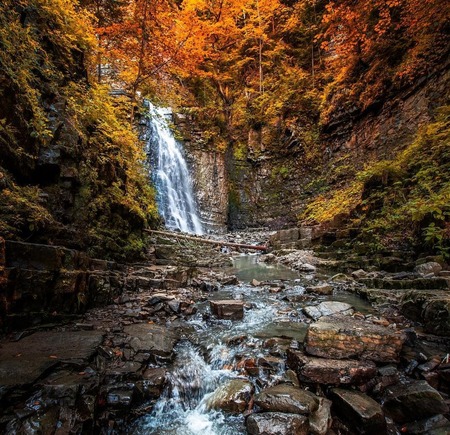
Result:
x=346 y=337
x=24 y=361
x=120 y=395
x=175 y=306
x=359 y=410
x=277 y=423
x=287 y=398
x=329 y=371
x=234 y=396
x=435 y=425
x=432 y=308
x=413 y=401
x=153 y=382
x=228 y=309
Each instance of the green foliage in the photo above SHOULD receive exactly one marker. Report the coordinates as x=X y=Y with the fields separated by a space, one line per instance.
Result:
x=45 y=47
x=21 y=209
x=400 y=202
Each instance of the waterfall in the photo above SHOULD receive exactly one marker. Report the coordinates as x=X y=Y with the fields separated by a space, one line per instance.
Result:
x=173 y=183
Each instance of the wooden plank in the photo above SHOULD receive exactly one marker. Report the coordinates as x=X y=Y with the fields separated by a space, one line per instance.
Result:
x=209 y=241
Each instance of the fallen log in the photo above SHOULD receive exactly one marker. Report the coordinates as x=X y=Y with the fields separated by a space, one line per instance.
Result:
x=211 y=242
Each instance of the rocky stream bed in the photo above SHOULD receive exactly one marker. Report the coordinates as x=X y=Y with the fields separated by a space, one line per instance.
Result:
x=259 y=348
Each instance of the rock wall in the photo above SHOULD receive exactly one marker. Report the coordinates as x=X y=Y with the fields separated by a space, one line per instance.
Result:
x=211 y=187
x=269 y=186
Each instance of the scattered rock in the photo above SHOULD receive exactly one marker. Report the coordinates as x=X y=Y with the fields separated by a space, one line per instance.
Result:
x=255 y=282
x=277 y=423
x=346 y=337
x=287 y=398
x=228 y=309
x=359 y=410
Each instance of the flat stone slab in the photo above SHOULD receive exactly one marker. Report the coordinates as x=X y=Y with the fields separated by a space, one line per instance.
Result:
x=330 y=371
x=328 y=308
x=228 y=309
x=157 y=340
x=24 y=361
x=341 y=337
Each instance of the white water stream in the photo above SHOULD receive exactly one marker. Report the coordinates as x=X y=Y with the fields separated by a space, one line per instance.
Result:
x=173 y=183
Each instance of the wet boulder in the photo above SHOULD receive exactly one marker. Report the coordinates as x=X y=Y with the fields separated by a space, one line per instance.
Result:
x=228 y=309
x=358 y=410
x=288 y=399
x=341 y=337
x=232 y=397
x=277 y=423
x=328 y=308
x=413 y=401
x=329 y=371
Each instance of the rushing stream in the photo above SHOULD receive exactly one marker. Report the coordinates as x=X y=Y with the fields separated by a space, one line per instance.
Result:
x=214 y=351
x=171 y=176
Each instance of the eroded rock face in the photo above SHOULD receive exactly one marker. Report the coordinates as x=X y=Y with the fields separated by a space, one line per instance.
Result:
x=287 y=398
x=346 y=337
x=277 y=423
x=329 y=371
x=413 y=401
x=232 y=397
x=359 y=410
x=228 y=309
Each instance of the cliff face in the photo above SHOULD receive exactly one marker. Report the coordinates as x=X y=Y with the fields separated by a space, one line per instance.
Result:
x=270 y=187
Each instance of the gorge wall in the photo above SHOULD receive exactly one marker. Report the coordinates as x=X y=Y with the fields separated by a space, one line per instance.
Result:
x=266 y=186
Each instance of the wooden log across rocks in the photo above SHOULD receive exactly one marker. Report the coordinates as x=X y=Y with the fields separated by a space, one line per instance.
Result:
x=208 y=241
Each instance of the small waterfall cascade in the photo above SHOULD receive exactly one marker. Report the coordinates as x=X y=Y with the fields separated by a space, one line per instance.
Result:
x=171 y=176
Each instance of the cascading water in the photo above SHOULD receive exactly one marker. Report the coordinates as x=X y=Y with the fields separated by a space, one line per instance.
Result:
x=171 y=175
